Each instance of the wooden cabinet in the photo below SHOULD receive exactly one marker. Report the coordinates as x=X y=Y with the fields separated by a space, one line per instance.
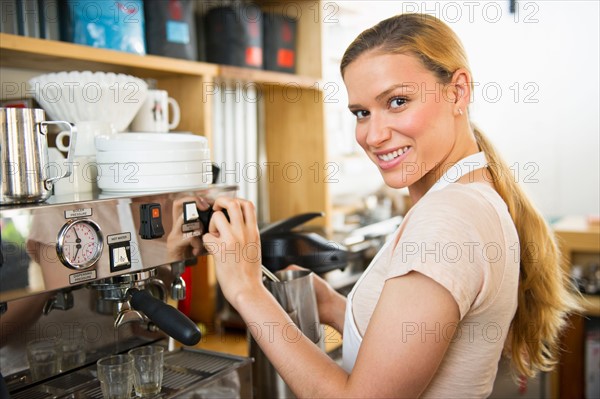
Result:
x=580 y=244
x=294 y=129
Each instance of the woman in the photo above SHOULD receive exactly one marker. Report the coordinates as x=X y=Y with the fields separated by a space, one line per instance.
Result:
x=472 y=270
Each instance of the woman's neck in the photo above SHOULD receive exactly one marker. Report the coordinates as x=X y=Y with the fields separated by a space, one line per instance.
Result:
x=418 y=189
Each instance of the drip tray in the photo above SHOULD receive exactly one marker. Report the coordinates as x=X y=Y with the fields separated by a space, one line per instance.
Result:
x=187 y=374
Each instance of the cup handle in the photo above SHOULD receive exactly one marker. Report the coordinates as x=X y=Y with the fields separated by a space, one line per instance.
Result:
x=176 y=113
x=59 y=140
x=48 y=183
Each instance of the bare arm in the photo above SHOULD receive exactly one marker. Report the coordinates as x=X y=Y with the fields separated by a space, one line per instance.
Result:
x=395 y=358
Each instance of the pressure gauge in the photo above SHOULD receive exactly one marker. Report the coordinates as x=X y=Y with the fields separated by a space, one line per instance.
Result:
x=79 y=244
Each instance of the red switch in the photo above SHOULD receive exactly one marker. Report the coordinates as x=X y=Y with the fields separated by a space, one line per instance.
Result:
x=150 y=221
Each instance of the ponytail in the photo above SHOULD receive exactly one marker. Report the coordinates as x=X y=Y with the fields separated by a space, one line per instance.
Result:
x=545 y=291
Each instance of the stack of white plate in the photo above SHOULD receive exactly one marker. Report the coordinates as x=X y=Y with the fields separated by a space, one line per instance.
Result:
x=150 y=162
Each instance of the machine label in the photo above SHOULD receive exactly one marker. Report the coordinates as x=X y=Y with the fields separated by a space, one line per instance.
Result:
x=190 y=227
x=78 y=213
x=193 y=233
x=83 y=276
x=121 y=237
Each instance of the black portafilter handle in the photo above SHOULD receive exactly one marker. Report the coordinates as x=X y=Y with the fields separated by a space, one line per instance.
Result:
x=167 y=318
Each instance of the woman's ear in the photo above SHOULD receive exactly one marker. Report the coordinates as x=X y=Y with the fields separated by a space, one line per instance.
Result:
x=461 y=82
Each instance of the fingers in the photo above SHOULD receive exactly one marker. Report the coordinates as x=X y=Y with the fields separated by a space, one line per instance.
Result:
x=196 y=245
x=233 y=207
x=241 y=227
x=241 y=213
x=218 y=224
x=211 y=243
x=249 y=212
x=202 y=203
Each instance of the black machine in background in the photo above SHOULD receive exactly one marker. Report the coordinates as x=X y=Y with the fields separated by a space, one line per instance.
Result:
x=282 y=246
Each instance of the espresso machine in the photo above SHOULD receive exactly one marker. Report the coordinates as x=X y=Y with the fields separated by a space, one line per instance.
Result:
x=106 y=266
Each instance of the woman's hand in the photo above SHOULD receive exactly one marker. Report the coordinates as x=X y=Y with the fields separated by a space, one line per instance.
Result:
x=235 y=246
x=331 y=304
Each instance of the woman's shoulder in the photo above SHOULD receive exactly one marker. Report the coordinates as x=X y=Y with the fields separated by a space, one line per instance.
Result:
x=458 y=196
x=459 y=205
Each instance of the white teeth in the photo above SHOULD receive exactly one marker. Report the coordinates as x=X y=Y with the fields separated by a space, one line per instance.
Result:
x=393 y=154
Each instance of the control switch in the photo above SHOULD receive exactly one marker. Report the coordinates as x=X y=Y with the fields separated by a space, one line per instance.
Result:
x=190 y=212
x=151 y=221
x=191 y=222
x=120 y=256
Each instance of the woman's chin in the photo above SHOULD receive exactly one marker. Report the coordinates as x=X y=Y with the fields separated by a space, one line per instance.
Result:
x=398 y=181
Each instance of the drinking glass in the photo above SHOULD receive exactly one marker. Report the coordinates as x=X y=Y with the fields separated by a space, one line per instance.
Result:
x=72 y=349
x=147 y=370
x=43 y=356
x=116 y=376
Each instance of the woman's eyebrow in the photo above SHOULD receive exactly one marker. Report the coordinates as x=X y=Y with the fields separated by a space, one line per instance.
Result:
x=386 y=92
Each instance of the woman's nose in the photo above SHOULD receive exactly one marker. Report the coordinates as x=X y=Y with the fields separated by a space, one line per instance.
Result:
x=379 y=131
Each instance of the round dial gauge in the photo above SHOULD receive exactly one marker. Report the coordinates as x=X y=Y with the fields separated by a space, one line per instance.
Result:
x=79 y=244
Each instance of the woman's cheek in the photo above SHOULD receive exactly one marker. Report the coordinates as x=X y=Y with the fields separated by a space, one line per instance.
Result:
x=412 y=124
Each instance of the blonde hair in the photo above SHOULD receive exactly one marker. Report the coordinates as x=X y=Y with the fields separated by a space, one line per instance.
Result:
x=545 y=294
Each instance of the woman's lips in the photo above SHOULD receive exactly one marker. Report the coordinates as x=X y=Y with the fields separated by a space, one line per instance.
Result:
x=389 y=164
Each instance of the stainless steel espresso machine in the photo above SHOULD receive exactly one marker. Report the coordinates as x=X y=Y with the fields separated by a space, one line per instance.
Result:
x=104 y=267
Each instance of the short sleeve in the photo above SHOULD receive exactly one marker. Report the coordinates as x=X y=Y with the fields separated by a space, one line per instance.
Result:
x=443 y=240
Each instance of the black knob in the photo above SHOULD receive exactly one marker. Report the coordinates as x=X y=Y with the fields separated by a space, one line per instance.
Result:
x=206 y=216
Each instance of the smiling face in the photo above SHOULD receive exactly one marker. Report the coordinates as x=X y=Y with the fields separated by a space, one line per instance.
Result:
x=406 y=119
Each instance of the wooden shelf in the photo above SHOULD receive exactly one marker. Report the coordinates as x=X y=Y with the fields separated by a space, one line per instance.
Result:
x=576 y=234
x=41 y=54
x=267 y=77
x=53 y=56
x=578 y=241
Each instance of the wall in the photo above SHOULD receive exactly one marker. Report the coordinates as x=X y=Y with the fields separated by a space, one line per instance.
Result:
x=537 y=96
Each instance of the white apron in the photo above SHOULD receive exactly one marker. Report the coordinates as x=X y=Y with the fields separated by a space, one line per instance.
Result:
x=352 y=338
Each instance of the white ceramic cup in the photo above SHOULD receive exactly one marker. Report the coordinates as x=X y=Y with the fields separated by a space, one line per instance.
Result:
x=84 y=178
x=153 y=116
x=86 y=134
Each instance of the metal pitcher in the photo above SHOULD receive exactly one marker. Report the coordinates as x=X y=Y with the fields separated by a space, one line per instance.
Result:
x=296 y=294
x=24 y=155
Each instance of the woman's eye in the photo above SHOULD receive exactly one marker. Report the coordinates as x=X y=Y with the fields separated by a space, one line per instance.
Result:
x=397 y=102
x=360 y=114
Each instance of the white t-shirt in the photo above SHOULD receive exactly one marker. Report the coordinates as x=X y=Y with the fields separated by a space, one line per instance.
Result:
x=463 y=238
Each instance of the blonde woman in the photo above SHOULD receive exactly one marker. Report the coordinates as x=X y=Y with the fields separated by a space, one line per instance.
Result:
x=472 y=272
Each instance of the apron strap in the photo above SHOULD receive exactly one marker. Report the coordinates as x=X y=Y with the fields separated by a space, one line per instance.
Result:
x=459 y=169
